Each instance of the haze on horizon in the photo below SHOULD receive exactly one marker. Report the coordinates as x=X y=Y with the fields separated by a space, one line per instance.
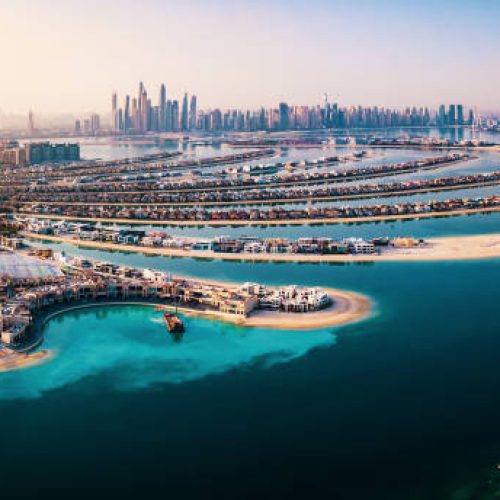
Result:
x=68 y=56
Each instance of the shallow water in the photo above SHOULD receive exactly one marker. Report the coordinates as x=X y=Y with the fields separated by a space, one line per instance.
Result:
x=133 y=342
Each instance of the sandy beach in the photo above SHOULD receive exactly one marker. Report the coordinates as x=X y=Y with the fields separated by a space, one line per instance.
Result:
x=16 y=361
x=483 y=246
x=347 y=307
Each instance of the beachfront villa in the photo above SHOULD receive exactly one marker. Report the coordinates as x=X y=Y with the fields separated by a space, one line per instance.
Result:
x=30 y=285
x=312 y=245
x=296 y=299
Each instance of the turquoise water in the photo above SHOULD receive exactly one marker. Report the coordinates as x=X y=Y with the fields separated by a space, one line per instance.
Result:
x=408 y=399
x=423 y=228
x=132 y=341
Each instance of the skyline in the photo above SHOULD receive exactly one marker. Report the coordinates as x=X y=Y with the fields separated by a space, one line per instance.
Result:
x=154 y=113
x=141 y=113
x=220 y=53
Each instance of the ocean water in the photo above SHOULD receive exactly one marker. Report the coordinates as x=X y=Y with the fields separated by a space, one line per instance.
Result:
x=403 y=405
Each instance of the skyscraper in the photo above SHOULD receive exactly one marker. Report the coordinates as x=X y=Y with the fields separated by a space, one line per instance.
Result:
x=162 y=119
x=175 y=115
x=192 y=113
x=31 y=122
x=95 y=122
x=460 y=114
x=114 y=114
x=284 y=118
x=86 y=126
x=126 y=117
x=143 y=110
x=472 y=118
x=184 y=115
x=442 y=119
x=120 y=119
x=452 y=115
x=140 y=103
x=135 y=114
x=169 y=118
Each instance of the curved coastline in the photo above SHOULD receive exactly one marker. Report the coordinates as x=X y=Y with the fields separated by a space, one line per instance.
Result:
x=484 y=246
x=347 y=307
x=17 y=361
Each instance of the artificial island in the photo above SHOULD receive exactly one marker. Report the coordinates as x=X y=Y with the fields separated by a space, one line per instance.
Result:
x=37 y=285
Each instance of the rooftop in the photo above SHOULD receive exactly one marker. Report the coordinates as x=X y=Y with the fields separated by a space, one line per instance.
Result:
x=23 y=267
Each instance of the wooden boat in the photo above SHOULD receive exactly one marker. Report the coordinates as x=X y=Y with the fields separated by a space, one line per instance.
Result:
x=173 y=323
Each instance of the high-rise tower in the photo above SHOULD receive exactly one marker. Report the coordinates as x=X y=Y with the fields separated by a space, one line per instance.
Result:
x=114 y=114
x=452 y=115
x=192 y=113
x=31 y=122
x=126 y=115
x=140 y=102
x=162 y=119
x=175 y=115
x=143 y=110
x=460 y=114
x=184 y=113
x=284 y=119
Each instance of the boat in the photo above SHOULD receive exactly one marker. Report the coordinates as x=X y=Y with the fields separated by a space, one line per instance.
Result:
x=173 y=323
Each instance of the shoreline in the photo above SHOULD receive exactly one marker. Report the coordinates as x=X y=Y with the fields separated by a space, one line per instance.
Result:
x=18 y=361
x=484 y=246
x=347 y=307
x=251 y=222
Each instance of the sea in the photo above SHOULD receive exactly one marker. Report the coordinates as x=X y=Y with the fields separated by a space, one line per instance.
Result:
x=402 y=405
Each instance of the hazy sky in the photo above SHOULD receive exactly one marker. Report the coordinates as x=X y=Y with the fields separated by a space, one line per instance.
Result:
x=68 y=56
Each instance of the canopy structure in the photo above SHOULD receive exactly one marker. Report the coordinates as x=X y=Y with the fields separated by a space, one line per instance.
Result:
x=23 y=267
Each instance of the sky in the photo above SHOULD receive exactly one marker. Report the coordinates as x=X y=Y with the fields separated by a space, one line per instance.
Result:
x=69 y=56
